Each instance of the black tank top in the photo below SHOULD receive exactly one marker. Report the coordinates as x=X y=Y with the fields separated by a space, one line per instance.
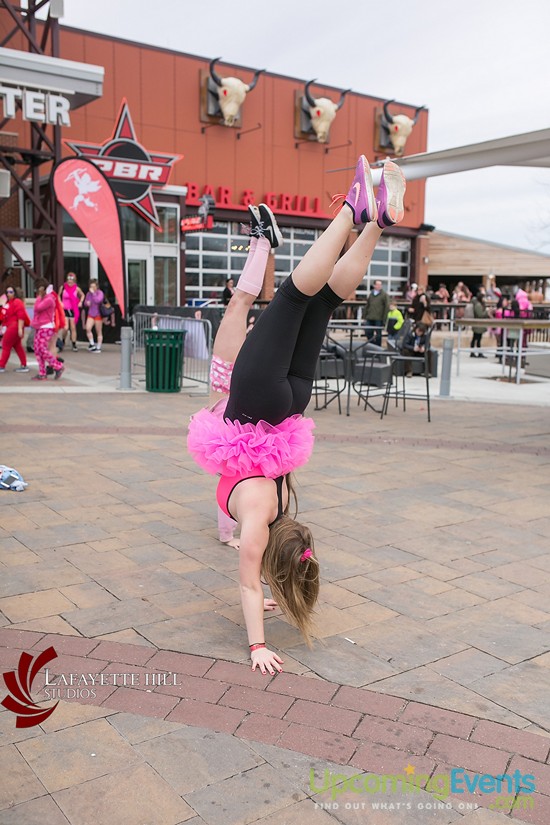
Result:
x=280 y=509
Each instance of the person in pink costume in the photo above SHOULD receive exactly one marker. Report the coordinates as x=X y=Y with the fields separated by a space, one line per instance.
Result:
x=93 y=300
x=44 y=323
x=71 y=297
x=525 y=310
x=259 y=435
x=14 y=318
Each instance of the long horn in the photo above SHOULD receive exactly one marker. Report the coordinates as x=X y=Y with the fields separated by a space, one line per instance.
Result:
x=307 y=94
x=417 y=112
x=389 y=118
x=252 y=84
x=341 y=101
x=215 y=77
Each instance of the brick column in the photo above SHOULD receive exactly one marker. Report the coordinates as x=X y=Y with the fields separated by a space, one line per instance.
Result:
x=421 y=260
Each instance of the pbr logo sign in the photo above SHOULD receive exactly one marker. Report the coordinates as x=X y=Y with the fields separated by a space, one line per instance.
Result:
x=132 y=171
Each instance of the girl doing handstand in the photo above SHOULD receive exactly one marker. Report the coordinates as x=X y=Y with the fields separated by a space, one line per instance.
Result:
x=256 y=438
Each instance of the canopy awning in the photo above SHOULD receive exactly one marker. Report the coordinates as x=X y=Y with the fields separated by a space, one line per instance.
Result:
x=528 y=149
x=83 y=82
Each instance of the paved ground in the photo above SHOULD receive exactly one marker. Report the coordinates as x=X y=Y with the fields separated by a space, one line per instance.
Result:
x=434 y=619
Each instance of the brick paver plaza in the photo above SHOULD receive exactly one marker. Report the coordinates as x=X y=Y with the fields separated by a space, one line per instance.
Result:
x=434 y=621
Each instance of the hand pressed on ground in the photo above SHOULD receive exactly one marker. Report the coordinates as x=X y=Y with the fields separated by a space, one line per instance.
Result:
x=265 y=658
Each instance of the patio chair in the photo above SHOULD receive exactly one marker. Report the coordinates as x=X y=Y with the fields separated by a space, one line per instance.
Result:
x=399 y=363
x=329 y=372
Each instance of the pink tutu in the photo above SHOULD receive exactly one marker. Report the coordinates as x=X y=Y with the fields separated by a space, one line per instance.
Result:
x=231 y=448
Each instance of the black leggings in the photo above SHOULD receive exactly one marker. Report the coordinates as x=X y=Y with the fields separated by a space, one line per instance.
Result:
x=273 y=374
x=476 y=339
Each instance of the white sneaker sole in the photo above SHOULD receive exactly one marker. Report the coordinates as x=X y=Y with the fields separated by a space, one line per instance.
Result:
x=395 y=187
x=276 y=230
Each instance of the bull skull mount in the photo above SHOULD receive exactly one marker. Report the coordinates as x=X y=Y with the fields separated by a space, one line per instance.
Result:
x=392 y=131
x=225 y=96
x=314 y=116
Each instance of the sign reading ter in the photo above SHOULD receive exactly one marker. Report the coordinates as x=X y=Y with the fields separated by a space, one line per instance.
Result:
x=41 y=107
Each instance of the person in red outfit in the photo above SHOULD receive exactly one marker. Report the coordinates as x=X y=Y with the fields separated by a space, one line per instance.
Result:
x=13 y=316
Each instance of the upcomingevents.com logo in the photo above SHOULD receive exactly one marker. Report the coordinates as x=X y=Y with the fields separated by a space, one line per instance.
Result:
x=19 y=684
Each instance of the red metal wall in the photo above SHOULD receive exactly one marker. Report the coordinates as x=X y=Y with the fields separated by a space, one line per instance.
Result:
x=163 y=92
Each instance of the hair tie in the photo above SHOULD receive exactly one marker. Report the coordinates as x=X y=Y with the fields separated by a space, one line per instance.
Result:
x=307 y=554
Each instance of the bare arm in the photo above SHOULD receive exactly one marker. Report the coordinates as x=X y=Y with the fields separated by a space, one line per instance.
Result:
x=254 y=538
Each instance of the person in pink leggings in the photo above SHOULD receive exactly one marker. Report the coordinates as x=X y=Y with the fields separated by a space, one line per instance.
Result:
x=44 y=324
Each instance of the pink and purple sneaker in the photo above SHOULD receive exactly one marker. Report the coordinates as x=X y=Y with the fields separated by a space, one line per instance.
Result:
x=360 y=197
x=390 y=195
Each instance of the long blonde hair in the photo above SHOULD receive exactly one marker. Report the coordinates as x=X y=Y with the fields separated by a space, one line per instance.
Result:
x=293 y=580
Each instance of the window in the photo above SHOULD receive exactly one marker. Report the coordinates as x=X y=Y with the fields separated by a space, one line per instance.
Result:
x=166 y=274
x=79 y=263
x=134 y=227
x=214 y=256
x=391 y=264
x=297 y=242
x=168 y=219
x=70 y=229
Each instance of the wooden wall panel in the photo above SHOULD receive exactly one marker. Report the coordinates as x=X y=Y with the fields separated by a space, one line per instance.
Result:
x=457 y=256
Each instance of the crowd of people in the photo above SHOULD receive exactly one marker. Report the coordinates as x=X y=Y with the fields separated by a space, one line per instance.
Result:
x=408 y=323
x=54 y=323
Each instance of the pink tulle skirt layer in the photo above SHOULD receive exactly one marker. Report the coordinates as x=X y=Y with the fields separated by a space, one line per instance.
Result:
x=234 y=449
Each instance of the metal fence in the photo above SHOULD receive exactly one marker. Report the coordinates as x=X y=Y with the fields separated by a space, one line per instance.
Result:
x=197 y=349
x=521 y=338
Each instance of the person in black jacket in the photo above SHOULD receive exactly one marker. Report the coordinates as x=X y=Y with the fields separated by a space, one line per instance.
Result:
x=378 y=305
x=228 y=291
x=415 y=345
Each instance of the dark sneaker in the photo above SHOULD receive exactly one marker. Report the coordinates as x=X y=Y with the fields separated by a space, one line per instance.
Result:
x=390 y=195
x=255 y=221
x=268 y=226
x=2 y=369
x=92 y=347
x=22 y=369
x=75 y=348
x=39 y=378
x=59 y=373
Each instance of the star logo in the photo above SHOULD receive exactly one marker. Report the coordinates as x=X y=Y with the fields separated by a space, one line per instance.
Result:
x=132 y=171
x=409 y=770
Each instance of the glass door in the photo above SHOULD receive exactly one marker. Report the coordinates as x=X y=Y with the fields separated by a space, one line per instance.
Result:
x=137 y=283
x=139 y=273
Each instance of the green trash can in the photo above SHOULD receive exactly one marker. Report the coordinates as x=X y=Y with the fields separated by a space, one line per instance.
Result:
x=163 y=359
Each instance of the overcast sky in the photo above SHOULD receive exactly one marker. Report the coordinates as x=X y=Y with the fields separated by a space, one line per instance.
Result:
x=482 y=67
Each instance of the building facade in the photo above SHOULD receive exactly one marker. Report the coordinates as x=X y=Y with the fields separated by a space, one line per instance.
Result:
x=266 y=156
x=454 y=258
